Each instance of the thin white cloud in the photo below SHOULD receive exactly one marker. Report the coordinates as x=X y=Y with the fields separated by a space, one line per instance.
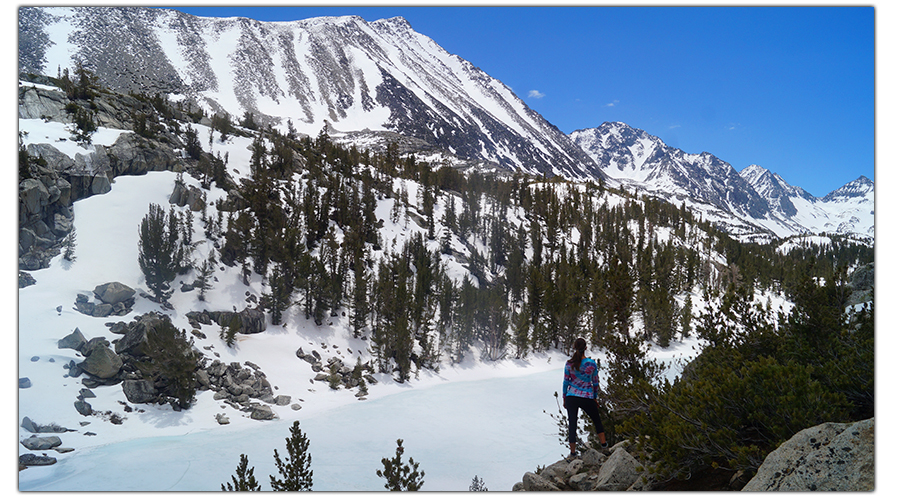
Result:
x=612 y=104
x=674 y=126
x=535 y=94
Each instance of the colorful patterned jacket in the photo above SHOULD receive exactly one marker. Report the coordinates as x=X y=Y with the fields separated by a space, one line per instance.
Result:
x=583 y=383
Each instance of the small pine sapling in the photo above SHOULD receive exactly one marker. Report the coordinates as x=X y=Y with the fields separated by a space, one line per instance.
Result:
x=69 y=245
x=245 y=481
x=400 y=477
x=477 y=484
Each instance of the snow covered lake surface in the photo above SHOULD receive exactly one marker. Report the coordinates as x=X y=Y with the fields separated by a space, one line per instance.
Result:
x=494 y=428
x=455 y=431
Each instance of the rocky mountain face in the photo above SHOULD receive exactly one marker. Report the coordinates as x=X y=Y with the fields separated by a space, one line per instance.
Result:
x=627 y=153
x=344 y=72
x=754 y=196
x=775 y=190
x=58 y=180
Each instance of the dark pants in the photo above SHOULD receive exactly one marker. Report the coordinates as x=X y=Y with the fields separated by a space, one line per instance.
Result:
x=573 y=403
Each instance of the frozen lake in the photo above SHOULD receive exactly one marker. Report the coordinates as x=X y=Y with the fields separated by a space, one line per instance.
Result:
x=495 y=429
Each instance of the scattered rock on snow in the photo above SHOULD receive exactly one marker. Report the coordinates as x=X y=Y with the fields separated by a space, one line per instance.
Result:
x=74 y=340
x=41 y=443
x=30 y=459
x=263 y=412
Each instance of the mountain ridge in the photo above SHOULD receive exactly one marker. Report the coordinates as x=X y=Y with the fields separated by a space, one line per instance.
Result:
x=344 y=72
x=756 y=196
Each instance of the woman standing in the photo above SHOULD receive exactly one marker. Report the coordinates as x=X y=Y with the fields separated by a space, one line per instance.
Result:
x=581 y=383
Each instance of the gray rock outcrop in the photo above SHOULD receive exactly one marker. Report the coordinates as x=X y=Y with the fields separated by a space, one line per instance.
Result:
x=591 y=471
x=115 y=299
x=827 y=457
x=57 y=180
x=113 y=292
x=243 y=387
x=139 y=391
x=74 y=340
x=187 y=195
x=103 y=363
x=35 y=428
x=251 y=320
x=41 y=443
x=618 y=473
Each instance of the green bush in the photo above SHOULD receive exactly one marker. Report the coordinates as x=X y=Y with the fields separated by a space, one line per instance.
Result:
x=761 y=379
x=170 y=361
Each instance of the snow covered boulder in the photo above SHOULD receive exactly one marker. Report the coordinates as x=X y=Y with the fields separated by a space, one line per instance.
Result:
x=827 y=457
x=41 y=443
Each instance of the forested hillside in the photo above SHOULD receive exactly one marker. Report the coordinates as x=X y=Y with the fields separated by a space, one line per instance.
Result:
x=433 y=262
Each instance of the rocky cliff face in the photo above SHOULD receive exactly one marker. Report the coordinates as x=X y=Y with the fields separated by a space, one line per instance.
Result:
x=57 y=179
x=633 y=155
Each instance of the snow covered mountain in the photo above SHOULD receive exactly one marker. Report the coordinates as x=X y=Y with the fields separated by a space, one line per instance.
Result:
x=345 y=72
x=849 y=209
x=752 y=202
x=635 y=156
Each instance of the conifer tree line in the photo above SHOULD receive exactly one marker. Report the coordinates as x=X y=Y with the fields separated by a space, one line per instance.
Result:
x=546 y=260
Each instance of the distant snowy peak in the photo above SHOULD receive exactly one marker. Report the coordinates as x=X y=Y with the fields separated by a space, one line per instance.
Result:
x=352 y=74
x=620 y=150
x=754 y=197
x=863 y=187
x=634 y=156
x=775 y=190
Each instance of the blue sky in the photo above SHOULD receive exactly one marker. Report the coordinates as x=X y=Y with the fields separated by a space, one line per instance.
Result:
x=789 y=88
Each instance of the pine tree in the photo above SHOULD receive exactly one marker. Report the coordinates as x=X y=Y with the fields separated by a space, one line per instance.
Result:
x=399 y=476
x=245 y=481
x=205 y=276
x=296 y=474
x=360 y=306
x=170 y=361
x=69 y=245
x=477 y=484
x=160 y=254
x=84 y=124
x=281 y=291
x=192 y=144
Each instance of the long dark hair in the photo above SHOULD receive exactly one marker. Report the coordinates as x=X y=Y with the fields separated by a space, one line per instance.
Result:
x=580 y=345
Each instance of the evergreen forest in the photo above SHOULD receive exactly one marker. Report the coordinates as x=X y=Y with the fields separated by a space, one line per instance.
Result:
x=497 y=264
